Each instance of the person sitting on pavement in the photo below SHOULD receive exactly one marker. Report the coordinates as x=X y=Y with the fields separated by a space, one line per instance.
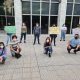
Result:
x=74 y=43
x=15 y=48
x=48 y=46
x=2 y=53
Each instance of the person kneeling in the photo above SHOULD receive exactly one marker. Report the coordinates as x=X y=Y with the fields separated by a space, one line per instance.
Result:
x=15 y=48
x=2 y=53
x=48 y=46
x=74 y=44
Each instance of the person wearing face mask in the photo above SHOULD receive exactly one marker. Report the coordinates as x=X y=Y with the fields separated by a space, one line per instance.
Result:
x=63 y=32
x=2 y=53
x=23 y=32
x=53 y=36
x=36 y=32
x=74 y=43
x=48 y=46
x=15 y=48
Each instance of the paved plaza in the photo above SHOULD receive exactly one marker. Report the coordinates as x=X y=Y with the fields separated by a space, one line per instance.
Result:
x=34 y=65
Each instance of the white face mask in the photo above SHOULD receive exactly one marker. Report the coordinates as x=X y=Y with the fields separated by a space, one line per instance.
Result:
x=47 y=40
x=14 y=39
x=1 y=47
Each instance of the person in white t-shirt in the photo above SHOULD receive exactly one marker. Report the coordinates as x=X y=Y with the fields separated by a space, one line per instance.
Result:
x=63 y=32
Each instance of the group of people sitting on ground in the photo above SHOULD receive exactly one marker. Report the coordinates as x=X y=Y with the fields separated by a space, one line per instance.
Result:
x=15 y=49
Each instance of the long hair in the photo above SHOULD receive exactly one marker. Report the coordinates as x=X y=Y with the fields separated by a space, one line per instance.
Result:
x=2 y=44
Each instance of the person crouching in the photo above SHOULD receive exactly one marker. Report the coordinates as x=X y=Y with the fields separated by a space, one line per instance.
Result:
x=48 y=46
x=2 y=53
x=74 y=44
x=15 y=48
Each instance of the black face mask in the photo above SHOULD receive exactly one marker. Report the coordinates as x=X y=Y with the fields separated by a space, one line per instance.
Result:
x=76 y=37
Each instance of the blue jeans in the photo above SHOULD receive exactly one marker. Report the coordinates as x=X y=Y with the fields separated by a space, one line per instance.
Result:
x=9 y=36
x=48 y=50
x=63 y=35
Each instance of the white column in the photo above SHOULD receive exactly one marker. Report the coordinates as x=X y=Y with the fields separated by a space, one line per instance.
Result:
x=79 y=20
x=18 y=16
x=62 y=13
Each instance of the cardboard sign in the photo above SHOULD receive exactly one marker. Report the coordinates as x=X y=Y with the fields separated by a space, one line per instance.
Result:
x=10 y=29
x=76 y=31
x=54 y=30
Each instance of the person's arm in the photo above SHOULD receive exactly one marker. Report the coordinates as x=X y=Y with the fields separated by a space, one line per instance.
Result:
x=11 y=49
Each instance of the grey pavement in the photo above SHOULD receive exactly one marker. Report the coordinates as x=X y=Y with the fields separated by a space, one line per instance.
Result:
x=34 y=65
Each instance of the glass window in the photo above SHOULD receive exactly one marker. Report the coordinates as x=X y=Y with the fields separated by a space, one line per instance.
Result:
x=36 y=8
x=45 y=0
x=2 y=22
x=56 y=0
x=1 y=2
x=2 y=11
x=25 y=7
x=75 y=22
x=35 y=0
x=54 y=8
x=69 y=0
x=45 y=8
x=77 y=9
x=9 y=12
x=78 y=1
x=11 y=20
x=68 y=23
x=69 y=9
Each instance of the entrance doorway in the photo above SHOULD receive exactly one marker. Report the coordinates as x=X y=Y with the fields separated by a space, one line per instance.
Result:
x=26 y=20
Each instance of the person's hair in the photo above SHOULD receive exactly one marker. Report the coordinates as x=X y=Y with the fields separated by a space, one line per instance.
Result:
x=2 y=44
x=14 y=36
x=48 y=38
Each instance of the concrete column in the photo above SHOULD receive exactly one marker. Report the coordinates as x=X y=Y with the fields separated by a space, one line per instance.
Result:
x=18 y=16
x=79 y=20
x=62 y=12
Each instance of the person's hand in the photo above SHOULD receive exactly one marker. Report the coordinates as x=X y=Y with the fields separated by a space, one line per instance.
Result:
x=1 y=59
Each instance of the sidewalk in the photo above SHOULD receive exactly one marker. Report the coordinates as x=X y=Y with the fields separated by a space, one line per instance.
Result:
x=34 y=65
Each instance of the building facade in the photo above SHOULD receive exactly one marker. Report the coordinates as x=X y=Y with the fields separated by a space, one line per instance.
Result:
x=45 y=12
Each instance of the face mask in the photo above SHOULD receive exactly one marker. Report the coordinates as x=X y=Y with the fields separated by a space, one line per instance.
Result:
x=14 y=39
x=76 y=37
x=1 y=47
x=37 y=25
x=47 y=40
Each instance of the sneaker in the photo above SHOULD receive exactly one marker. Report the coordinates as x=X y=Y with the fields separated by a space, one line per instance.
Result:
x=68 y=51
x=74 y=51
x=49 y=54
x=24 y=41
x=60 y=40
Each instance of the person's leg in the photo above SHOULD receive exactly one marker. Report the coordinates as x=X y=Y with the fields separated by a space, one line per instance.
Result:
x=3 y=61
x=38 y=39
x=13 y=54
x=24 y=37
x=61 y=36
x=64 y=36
x=34 y=39
x=46 y=51
x=21 y=37
x=69 y=48
x=50 y=51
x=78 y=49
x=54 y=41
x=51 y=38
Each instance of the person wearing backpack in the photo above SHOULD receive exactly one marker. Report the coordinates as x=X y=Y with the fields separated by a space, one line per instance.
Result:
x=2 y=53
x=36 y=32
